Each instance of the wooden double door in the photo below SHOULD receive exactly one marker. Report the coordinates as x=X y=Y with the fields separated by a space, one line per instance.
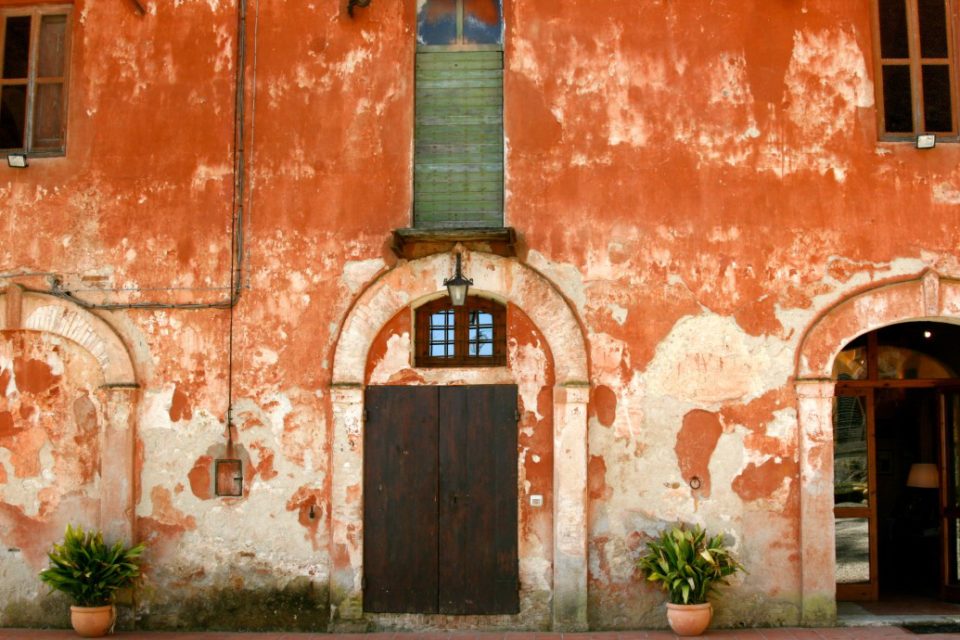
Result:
x=440 y=500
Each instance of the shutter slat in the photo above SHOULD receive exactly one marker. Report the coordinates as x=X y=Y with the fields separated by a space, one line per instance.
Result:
x=458 y=152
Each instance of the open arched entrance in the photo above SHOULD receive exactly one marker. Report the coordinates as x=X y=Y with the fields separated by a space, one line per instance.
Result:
x=896 y=436
x=511 y=282
x=925 y=298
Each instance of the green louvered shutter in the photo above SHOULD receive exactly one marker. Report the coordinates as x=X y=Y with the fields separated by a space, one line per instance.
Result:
x=458 y=156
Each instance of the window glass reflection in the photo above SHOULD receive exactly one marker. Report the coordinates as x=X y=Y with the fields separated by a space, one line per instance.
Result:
x=850 y=451
x=442 y=342
x=480 y=334
x=851 y=364
x=853 y=550
x=481 y=21
x=901 y=363
x=437 y=22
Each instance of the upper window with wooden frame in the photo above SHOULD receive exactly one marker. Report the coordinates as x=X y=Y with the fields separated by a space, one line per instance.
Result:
x=34 y=44
x=917 y=71
x=458 y=150
x=472 y=335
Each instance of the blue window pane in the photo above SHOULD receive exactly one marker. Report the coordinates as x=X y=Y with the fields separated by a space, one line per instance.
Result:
x=486 y=318
x=441 y=319
x=482 y=20
x=442 y=334
x=486 y=349
x=437 y=22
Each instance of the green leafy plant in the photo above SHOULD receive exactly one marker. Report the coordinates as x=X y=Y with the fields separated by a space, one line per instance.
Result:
x=89 y=571
x=687 y=564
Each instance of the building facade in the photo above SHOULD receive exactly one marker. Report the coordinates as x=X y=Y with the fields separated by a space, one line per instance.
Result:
x=713 y=248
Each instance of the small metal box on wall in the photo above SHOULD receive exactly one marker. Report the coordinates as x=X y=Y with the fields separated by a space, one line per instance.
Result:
x=228 y=477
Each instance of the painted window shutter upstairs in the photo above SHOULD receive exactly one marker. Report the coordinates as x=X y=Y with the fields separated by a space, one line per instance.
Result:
x=458 y=156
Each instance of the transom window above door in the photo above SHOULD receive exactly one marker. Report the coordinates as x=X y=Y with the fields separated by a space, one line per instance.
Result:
x=453 y=22
x=473 y=335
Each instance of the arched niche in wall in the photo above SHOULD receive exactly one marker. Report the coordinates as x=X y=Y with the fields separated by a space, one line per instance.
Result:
x=45 y=315
x=395 y=291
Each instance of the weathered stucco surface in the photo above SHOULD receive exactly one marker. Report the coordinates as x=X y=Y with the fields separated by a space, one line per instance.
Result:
x=49 y=454
x=698 y=185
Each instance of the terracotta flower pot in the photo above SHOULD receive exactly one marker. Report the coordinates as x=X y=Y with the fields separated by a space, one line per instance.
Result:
x=689 y=619
x=93 y=622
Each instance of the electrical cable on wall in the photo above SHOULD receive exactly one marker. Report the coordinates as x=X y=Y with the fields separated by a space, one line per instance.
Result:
x=237 y=213
x=57 y=290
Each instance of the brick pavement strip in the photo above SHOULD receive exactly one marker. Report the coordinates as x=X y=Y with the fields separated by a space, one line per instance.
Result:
x=839 y=633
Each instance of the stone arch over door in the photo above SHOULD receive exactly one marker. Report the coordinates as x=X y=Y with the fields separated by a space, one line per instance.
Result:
x=509 y=280
x=22 y=310
x=928 y=296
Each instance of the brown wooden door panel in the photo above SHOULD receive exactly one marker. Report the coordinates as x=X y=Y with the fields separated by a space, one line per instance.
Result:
x=478 y=566
x=400 y=500
x=440 y=500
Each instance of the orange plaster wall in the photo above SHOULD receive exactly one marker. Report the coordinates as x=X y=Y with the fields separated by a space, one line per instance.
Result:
x=49 y=440
x=666 y=165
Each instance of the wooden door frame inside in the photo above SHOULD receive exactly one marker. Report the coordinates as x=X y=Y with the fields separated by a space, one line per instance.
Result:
x=867 y=388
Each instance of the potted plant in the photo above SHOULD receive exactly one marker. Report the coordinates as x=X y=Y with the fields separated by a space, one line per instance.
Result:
x=90 y=572
x=688 y=565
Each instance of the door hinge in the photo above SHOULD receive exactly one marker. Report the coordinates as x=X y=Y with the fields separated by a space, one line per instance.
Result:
x=366 y=415
x=516 y=415
x=363 y=583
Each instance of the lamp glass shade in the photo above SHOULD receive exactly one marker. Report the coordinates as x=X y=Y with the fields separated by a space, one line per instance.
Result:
x=923 y=475
x=458 y=292
x=457 y=286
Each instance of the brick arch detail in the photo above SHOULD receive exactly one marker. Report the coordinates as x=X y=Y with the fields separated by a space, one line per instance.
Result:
x=927 y=296
x=507 y=280
x=30 y=311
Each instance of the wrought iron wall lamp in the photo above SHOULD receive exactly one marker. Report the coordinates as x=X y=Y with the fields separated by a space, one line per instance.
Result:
x=457 y=286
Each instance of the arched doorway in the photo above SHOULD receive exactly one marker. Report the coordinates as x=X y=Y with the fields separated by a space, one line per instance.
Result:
x=458 y=465
x=925 y=297
x=405 y=286
x=896 y=436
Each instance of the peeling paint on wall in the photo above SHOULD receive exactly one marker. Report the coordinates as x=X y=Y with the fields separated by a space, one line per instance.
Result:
x=699 y=186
